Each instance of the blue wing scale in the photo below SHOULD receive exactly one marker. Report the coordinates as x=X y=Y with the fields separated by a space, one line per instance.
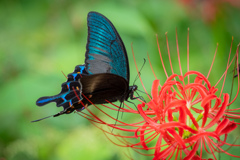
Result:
x=106 y=52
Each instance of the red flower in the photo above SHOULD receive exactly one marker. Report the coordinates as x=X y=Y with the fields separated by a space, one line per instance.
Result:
x=184 y=117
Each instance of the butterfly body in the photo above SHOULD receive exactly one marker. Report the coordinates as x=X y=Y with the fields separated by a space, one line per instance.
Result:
x=105 y=75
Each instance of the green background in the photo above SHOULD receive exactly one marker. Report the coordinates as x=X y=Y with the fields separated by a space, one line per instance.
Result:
x=39 y=39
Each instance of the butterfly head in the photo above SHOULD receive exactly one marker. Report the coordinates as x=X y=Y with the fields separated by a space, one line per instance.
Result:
x=130 y=92
x=133 y=88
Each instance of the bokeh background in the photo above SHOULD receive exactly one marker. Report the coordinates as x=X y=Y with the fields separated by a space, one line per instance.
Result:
x=39 y=39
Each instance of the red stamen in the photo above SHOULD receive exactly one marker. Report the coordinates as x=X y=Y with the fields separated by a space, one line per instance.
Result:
x=179 y=61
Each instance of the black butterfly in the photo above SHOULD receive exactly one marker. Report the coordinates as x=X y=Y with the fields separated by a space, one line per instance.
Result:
x=105 y=74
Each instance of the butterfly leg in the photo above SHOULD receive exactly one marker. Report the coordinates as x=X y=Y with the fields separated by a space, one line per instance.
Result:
x=138 y=97
x=117 y=114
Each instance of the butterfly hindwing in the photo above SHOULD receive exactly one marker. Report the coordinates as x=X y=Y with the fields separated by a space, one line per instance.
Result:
x=71 y=90
x=103 y=87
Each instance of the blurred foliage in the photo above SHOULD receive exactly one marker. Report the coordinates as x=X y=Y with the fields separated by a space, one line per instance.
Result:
x=39 y=39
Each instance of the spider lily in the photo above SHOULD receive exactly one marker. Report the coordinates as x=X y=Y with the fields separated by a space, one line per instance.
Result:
x=184 y=118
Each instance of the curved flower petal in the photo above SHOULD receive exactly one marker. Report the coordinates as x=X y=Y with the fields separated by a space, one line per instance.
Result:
x=220 y=112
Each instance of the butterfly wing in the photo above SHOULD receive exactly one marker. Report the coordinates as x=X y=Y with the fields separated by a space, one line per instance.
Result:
x=71 y=90
x=103 y=88
x=105 y=52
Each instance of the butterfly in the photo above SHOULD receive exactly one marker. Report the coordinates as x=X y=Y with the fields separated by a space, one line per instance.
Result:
x=105 y=75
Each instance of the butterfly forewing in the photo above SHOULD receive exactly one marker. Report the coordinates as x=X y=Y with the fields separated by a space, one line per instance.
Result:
x=105 y=52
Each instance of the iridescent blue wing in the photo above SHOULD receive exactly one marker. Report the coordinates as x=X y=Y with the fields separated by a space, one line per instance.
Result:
x=105 y=75
x=71 y=90
x=105 y=52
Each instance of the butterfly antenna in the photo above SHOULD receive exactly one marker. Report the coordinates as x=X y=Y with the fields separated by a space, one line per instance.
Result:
x=139 y=73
